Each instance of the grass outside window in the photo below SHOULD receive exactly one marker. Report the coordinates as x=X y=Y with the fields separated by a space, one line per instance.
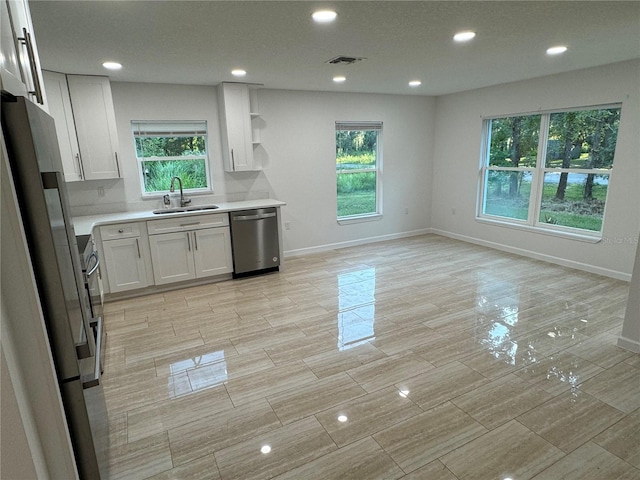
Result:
x=358 y=169
x=550 y=170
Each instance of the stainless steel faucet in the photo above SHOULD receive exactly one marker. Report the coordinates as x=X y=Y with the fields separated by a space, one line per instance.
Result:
x=183 y=201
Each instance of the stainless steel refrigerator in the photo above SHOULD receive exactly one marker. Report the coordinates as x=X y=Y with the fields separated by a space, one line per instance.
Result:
x=36 y=167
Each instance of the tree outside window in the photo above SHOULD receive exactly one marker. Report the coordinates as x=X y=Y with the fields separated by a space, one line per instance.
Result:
x=550 y=170
x=358 y=168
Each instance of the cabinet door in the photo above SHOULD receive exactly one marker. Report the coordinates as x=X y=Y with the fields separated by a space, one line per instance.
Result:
x=236 y=127
x=95 y=123
x=19 y=64
x=125 y=265
x=60 y=109
x=10 y=67
x=212 y=251
x=172 y=257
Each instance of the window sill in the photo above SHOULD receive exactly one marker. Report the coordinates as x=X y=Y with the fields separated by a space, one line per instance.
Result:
x=359 y=219
x=544 y=231
x=159 y=195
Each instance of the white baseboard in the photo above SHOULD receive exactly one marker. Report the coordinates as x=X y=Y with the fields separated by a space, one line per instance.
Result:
x=538 y=256
x=353 y=243
x=496 y=246
x=628 y=344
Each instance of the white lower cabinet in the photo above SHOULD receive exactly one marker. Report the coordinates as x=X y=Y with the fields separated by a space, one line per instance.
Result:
x=190 y=252
x=125 y=265
x=171 y=257
x=212 y=254
x=124 y=250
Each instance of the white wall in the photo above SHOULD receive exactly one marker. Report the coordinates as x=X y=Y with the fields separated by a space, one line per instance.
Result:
x=297 y=154
x=456 y=165
x=299 y=143
x=630 y=336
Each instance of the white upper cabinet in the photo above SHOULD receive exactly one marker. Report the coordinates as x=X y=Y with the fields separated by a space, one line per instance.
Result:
x=95 y=122
x=61 y=111
x=82 y=108
x=236 y=129
x=20 y=72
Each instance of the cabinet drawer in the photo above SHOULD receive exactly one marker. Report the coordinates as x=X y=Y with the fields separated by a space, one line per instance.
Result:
x=120 y=230
x=192 y=222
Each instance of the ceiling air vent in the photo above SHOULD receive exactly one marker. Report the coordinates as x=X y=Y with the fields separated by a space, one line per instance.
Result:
x=344 y=60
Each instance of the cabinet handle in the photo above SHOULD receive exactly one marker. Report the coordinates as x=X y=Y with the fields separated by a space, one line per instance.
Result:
x=188 y=241
x=80 y=169
x=189 y=224
x=26 y=39
x=233 y=161
x=195 y=241
x=138 y=246
x=117 y=165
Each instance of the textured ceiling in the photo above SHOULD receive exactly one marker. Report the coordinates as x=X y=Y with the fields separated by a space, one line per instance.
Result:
x=198 y=43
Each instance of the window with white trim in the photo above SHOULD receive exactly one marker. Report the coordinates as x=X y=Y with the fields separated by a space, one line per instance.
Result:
x=358 y=169
x=549 y=171
x=171 y=149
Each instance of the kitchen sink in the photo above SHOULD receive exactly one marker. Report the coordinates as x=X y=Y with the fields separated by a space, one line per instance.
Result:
x=195 y=208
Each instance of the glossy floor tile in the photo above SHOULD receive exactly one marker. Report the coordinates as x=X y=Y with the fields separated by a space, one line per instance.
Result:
x=570 y=419
x=419 y=358
x=589 y=462
x=424 y=438
x=509 y=451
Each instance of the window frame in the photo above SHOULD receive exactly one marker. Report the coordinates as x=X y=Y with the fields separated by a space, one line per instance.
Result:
x=533 y=223
x=377 y=170
x=172 y=128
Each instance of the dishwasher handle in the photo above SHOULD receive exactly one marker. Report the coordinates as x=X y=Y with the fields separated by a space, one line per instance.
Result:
x=260 y=216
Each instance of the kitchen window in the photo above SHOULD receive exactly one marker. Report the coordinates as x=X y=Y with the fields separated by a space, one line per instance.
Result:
x=171 y=149
x=549 y=171
x=358 y=169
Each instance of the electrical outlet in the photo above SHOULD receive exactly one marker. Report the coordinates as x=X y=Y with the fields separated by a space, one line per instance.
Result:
x=101 y=191
x=406 y=210
x=287 y=225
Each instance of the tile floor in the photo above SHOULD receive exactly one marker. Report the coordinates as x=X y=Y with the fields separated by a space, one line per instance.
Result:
x=421 y=358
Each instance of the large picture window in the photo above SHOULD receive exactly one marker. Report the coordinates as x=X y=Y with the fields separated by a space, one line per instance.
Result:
x=358 y=167
x=549 y=170
x=171 y=149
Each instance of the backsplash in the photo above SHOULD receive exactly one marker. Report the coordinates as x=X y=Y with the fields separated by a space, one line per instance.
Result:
x=89 y=198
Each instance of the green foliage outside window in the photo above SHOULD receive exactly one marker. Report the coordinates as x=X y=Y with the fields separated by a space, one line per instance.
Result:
x=356 y=169
x=572 y=178
x=164 y=157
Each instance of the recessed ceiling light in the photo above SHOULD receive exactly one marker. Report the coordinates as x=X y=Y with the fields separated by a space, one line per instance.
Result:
x=324 y=16
x=556 y=50
x=464 y=36
x=415 y=83
x=238 y=72
x=112 y=65
x=339 y=79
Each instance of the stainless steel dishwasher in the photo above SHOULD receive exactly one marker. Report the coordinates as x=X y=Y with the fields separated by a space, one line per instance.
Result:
x=254 y=238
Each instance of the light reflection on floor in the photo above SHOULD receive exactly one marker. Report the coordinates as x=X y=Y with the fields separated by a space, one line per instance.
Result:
x=202 y=371
x=356 y=308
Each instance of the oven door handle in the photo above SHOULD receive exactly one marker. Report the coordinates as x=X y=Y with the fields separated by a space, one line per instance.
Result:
x=94 y=254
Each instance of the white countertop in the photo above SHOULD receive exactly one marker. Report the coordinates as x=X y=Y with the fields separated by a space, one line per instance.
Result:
x=85 y=224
